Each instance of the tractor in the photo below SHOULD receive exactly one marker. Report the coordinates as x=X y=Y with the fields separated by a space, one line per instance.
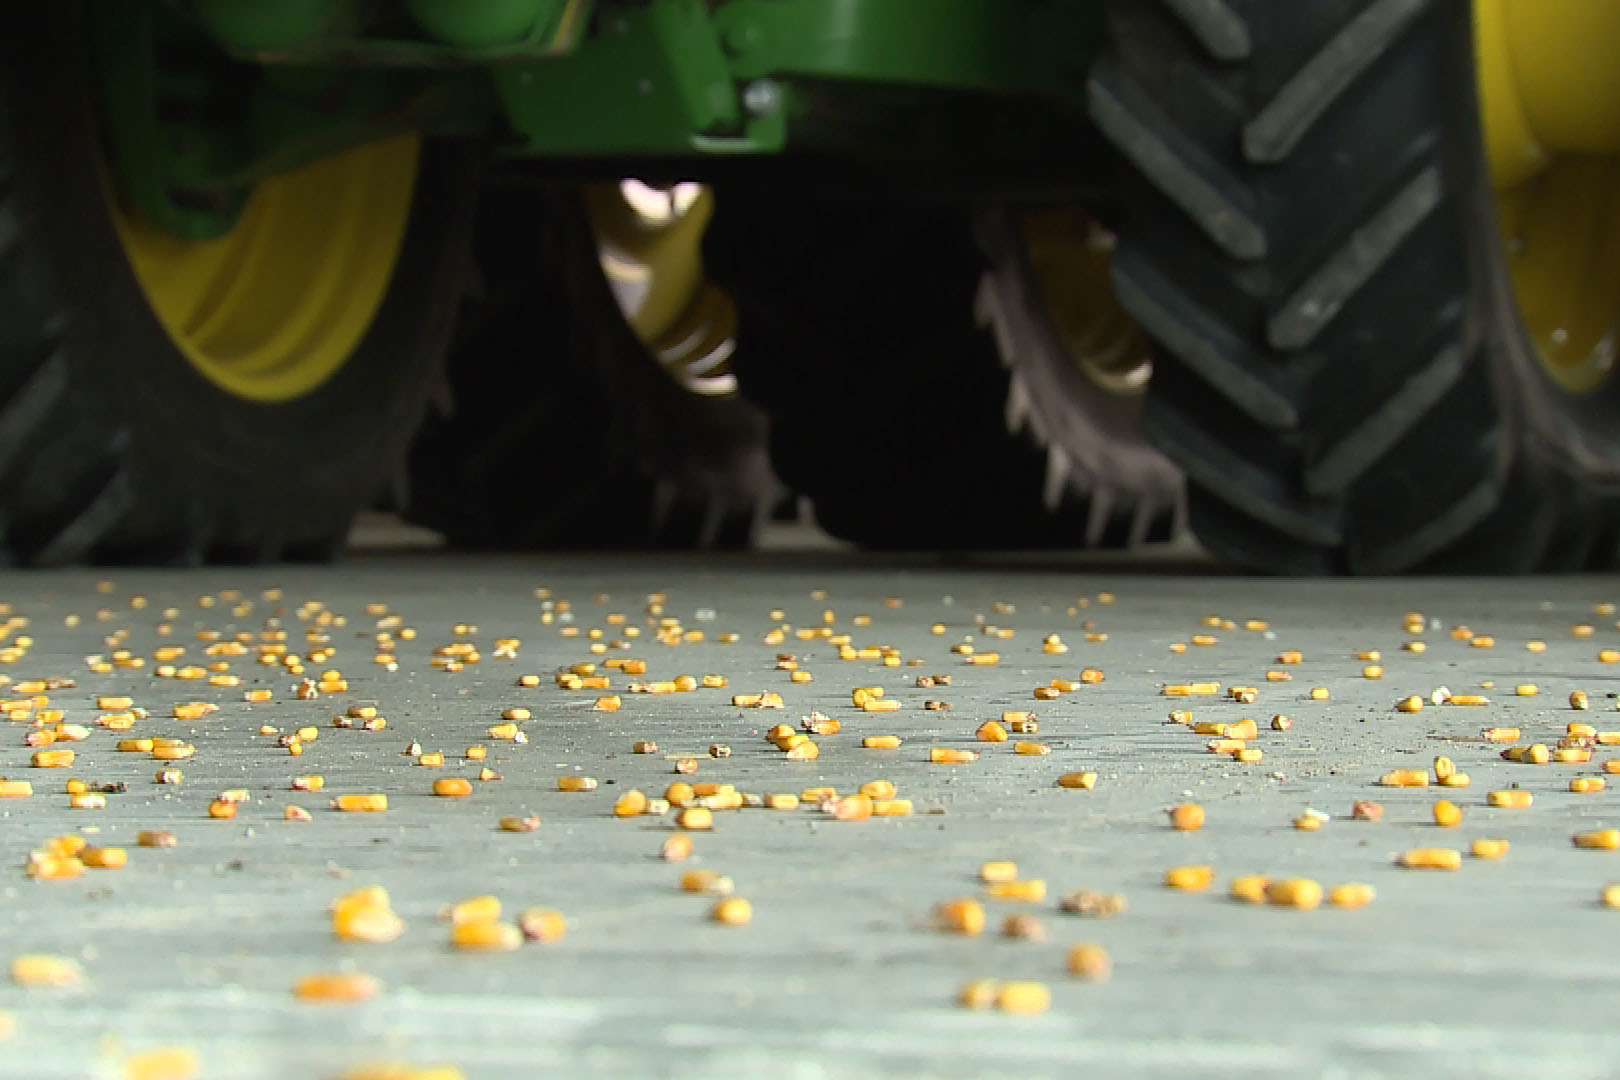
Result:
x=1331 y=285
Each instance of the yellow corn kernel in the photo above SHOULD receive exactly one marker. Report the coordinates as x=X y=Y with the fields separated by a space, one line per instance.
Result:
x=1189 y=878
x=1088 y=961
x=1488 y=849
x=891 y=807
x=1598 y=839
x=732 y=911
x=706 y=881
x=631 y=804
x=1467 y=699
x=165 y=1063
x=99 y=858
x=361 y=804
x=880 y=742
x=576 y=783
x=1188 y=817
x=1032 y=890
x=173 y=753
x=1199 y=689
x=545 y=925
x=695 y=817
x=1609 y=897
x=113 y=702
x=1308 y=823
x=981 y=993
x=1281 y=722
x=1612 y=766
x=1351 y=896
x=1501 y=734
x=1032 y=749
x=1319 y=693
x=1404 y=778
x=87 y=801
x=1456 y=780
x=1444 y=767
x=1430 y=859
x=961 y=916
x=878 y=789
x=804 y=751
x=1085 y=780
x=15 y=789
x=881 y=705
x=485 y=936
x=452 y=787
x=1410 y=704
x=52 y=759
x=1294 y=892
x=984 y=659
x=1249 y=888
x=1447 y=814
x=45 y=970
x=1513 y=799
x=1023 y=998
x=941 y=755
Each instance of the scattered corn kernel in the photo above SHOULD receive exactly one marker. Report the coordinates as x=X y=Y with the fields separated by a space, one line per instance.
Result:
x=1188 y=817
x=45 y=970
x=1598 y=839
x=1488 y=849
x=1023 y=998
x=1088 y=961
x=1447 y=814
x=1351 y=896
x=1294 y=892
x=1513 y=799
x=1430 y=859
x=1189 y=878
x=732 y=911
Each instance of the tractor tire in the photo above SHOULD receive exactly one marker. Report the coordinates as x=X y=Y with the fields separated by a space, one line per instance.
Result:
x=114 y=446
x=1307 y=230
x=561 y=431
x=913 y=383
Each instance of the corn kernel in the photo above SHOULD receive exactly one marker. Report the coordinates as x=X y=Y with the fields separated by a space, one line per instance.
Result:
x=1501 y=734
x=1032 y=890
x=1468 y=700
x=576 y=783
x=961 y=916
x=1456 y=780
x=485 y=936
x=52 y=759
x=112 y=858
x=1351 y=896
x=1032 y=749
x=452 y=786
x=1488 y=849
x=732 y=911
x=45 y=970
x=15 y=789
x=1410 y=704
x=1187 y=817
x=362 y=804
x=545 y=925
x=1447 y=814
x=1598 y=839
x=1088 y=961
x=1430 y=859
x=1404 y=778
x=1023 y=998
x=1249 y=888
x=1294 y=892
x=1189 y=878
x=940 y=755
x=1084 y=780
x=1513 y=799
x=1578 y=700
x=695 y=817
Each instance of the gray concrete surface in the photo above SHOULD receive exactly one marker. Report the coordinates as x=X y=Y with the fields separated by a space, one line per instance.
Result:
x=1502 y=969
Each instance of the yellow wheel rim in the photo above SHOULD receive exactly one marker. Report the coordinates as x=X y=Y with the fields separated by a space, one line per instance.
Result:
x=1549 y=94
x=271 y=310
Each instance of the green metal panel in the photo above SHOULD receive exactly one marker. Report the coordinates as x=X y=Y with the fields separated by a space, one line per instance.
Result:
x=990 y=45
x=652 y=78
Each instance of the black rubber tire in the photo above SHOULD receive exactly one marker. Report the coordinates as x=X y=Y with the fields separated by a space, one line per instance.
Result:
x=561 y=431
x=1307 y=230
x=860 y=335
x=112 y=446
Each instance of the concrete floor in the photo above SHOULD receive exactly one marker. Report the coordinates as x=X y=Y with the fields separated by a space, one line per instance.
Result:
x=1502 y=969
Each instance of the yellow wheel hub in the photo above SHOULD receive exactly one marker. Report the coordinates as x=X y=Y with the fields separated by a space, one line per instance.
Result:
x=274 y=308
x=1549 y=91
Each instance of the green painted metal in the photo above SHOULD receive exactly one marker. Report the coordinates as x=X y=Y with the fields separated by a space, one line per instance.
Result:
x=185 y=139
x=246 y=89
x=481 y=24
x=255 y=26
x=653 y=77
x=402 y=33
x=996 y=46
